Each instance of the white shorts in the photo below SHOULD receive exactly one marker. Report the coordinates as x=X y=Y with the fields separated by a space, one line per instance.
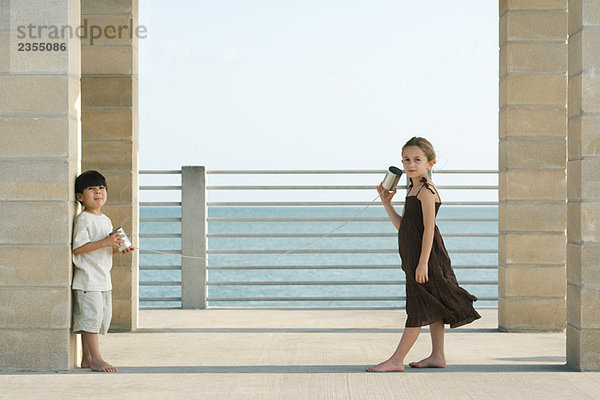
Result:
x=92 y=311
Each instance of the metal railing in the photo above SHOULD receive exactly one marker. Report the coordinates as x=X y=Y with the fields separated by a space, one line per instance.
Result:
x=169 y=280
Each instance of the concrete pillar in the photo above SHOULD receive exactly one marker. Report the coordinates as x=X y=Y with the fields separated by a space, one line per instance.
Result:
x=532 y=165
x=193 y=237
x=109 y=88
x=39 y=160
x=583 y=207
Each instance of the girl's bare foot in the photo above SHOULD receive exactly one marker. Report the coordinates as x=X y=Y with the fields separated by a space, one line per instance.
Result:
x=387 y=366
x=102 y=366
x=86 y=362
x=429 y=362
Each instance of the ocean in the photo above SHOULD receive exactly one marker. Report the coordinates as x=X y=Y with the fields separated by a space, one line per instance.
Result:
x=486 y=254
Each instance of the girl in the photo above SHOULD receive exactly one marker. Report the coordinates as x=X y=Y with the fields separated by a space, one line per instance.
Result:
x=433 y=296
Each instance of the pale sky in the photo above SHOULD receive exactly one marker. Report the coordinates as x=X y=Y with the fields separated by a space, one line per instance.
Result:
x=317 y=84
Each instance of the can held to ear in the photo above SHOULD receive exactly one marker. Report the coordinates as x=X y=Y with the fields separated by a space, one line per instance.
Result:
x=126 y=242
x=391 y=179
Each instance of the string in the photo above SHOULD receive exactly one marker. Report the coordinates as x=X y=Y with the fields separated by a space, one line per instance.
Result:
x=272 y=255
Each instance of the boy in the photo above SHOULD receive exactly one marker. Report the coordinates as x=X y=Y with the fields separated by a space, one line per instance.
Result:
x=93 y=246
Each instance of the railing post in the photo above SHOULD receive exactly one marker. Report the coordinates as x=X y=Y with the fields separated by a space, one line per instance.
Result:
x=193 y=237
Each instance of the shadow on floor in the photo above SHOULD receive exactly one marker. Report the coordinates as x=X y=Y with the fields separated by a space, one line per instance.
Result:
x=318 y=369
x=300 y=330
x=543 y=359
x=340 y=369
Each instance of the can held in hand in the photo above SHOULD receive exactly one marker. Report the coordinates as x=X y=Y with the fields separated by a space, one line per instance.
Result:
x=126 y=242
x=391 y=178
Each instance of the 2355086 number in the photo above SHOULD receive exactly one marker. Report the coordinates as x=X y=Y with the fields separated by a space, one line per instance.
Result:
x=41 y=46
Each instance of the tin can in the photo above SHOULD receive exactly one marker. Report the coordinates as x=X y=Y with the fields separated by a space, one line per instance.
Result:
x=391 y=179
x=126 y=242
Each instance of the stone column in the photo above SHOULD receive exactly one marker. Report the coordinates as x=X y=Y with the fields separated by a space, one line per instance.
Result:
x=39 y=160
x=109 y=88
x=532 y=165
x=583 y=169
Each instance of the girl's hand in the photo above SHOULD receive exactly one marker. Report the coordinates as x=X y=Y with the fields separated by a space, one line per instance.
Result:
x=421 y=274
x=384 y=195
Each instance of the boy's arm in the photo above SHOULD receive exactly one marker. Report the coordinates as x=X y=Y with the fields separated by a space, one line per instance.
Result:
x=109 y=241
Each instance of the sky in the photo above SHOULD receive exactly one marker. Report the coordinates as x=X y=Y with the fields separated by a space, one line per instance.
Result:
x=317 y=84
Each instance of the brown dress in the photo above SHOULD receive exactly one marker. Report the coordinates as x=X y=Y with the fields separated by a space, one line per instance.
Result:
x=440 y=298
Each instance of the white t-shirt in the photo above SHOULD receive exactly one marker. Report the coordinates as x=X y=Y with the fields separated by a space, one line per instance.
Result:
x=92 y=270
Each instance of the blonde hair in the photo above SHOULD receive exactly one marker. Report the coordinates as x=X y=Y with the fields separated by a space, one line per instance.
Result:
x=424 y=145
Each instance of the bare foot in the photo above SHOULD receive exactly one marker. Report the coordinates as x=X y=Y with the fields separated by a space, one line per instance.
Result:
x=387 y=366
x=102 y=366
x=429 y=362
x=86 y=362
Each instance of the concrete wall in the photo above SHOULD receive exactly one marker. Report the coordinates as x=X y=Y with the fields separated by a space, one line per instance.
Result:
x=532 y=162
x=583 y=209
x=109 y=90
x=39 y=160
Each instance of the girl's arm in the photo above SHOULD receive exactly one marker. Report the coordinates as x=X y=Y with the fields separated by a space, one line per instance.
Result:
x=386 y=200
x=428 y=208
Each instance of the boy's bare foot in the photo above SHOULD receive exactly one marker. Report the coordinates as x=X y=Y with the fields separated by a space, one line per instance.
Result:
x=387 y=366
x=429 y=362
x=102 y=366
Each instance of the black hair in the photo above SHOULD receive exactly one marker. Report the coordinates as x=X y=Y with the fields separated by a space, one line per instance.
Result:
x=89 y=179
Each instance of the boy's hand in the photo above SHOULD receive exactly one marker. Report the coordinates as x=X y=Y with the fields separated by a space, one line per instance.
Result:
x=113 y=240
x=129 y=250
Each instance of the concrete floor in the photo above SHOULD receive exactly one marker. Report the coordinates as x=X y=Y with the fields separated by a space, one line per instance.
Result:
x=309 y=354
